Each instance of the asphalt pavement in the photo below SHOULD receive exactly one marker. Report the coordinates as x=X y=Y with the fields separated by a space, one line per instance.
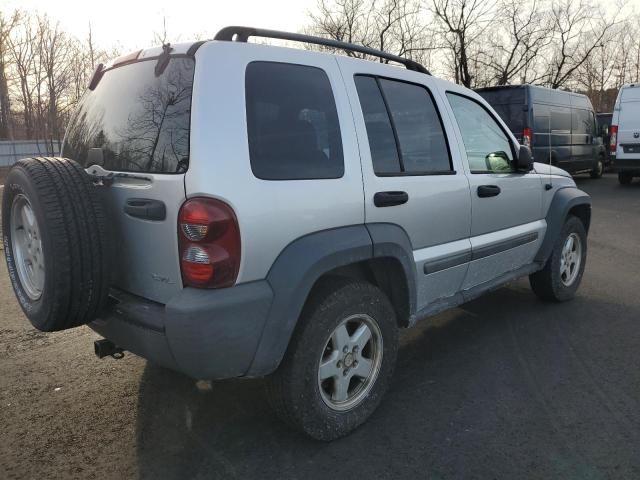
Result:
x=504 y=387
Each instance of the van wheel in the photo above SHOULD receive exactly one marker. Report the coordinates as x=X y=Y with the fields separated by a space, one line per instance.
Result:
x=56 y=242
x=560 y=278
x=625 y=178
x=339 y=362
x=598 y=170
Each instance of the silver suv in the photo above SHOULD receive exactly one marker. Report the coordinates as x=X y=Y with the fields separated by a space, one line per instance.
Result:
x=228 y=209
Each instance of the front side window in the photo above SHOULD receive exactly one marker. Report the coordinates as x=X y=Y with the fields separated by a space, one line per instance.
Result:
x=403 y=126
x=292 y=123
x=488 y=147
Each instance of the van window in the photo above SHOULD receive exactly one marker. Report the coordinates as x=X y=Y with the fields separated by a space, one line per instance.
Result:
x=582 y=122
x=405 y=132
x=134 y=121
x=488 y=148
x=541 y=120
x=560 y=119
x=510 y=104
x=292 y=123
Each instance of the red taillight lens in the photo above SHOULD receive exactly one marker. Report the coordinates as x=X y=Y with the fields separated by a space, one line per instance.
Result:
x=209 y=239
x=613 y=139
x=527 y=136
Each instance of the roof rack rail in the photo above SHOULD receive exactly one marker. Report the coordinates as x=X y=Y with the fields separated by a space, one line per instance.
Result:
x=242 y=34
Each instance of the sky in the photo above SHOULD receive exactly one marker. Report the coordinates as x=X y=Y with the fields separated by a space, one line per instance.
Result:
x=129 y=24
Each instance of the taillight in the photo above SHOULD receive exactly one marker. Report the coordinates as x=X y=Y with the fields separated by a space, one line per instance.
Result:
x=527 y=136
x=209 y=239
x=613 y=139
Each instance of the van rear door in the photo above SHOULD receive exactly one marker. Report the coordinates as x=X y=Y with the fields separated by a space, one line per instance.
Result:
x=133 y=130
x=511 y=105
x=629 y=124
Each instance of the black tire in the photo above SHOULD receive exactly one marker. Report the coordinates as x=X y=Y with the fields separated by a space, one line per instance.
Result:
x=598 y=170
x=294 y=390
x=547 y=283
x=74 y=238
x=625 y=178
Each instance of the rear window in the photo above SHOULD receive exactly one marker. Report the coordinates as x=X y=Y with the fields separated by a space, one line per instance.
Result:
x=135 y=121
x=292 y=123
x=510 y=105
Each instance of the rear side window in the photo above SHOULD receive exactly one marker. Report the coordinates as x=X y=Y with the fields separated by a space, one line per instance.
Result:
x=292 y=123
x=384 y=151
x=405 y=132
x=135 y=121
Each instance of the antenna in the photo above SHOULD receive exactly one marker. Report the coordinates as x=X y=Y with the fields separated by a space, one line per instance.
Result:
x=549 y=185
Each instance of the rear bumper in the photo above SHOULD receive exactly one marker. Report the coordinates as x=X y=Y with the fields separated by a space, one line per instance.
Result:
x=631 y=165
x=206 y=334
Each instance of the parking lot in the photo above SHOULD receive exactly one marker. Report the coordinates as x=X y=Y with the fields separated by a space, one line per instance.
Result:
x=504 y=387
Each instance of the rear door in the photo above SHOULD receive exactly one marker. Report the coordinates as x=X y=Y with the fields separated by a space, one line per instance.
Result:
x=561 y=139
x=412 y=173
x=133 y=130
x=582 y=134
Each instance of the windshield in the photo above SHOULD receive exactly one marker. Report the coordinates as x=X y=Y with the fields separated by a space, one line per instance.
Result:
x=134 y=121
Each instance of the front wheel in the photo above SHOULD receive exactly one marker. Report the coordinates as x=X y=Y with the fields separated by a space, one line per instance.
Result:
x=561 y=276
x=340 y=360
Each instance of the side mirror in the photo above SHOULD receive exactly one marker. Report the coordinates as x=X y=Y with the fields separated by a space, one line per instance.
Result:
x=525 y=159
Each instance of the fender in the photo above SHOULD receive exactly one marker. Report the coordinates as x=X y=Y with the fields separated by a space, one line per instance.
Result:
x=391 y=240
x=563 y=201
x=297 y=269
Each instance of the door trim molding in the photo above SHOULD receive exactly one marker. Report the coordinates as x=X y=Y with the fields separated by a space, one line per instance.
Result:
x=492 y=249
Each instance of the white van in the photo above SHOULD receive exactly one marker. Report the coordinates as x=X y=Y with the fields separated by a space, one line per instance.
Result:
x=625 y=133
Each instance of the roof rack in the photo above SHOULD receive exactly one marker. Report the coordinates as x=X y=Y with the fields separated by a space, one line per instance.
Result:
x=242 y=34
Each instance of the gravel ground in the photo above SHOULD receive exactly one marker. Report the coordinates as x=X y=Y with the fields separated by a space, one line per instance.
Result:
x=504 y=387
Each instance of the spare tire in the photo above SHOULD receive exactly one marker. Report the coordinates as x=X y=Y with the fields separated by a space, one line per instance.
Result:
x=56 y=242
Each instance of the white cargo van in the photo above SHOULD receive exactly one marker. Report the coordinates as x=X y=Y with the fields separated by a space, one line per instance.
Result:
x=625 y=133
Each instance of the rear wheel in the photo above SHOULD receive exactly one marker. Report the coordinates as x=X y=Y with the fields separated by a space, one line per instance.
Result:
x=56 y=242
x=561 y=276
x=625 y=178
x=339 y=362
x=598 y=170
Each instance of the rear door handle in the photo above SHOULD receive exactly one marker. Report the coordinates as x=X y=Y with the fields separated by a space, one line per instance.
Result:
x=390 y=199
x=485 y=191
x=146 y=209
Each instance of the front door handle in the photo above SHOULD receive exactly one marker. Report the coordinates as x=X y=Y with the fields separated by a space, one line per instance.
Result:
x=390 y=199
x=146 y=209
x=485 y=191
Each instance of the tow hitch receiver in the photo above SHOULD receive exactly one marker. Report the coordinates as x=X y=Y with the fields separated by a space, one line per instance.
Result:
x=106 y=348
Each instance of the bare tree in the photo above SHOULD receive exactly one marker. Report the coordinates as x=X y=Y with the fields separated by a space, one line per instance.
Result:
x=55 y=54
x=22 y=46
x=580 y=27
x=161 y=37
x=522 y=31
x=395 y=26
x=7 y=24
x=462 y=23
